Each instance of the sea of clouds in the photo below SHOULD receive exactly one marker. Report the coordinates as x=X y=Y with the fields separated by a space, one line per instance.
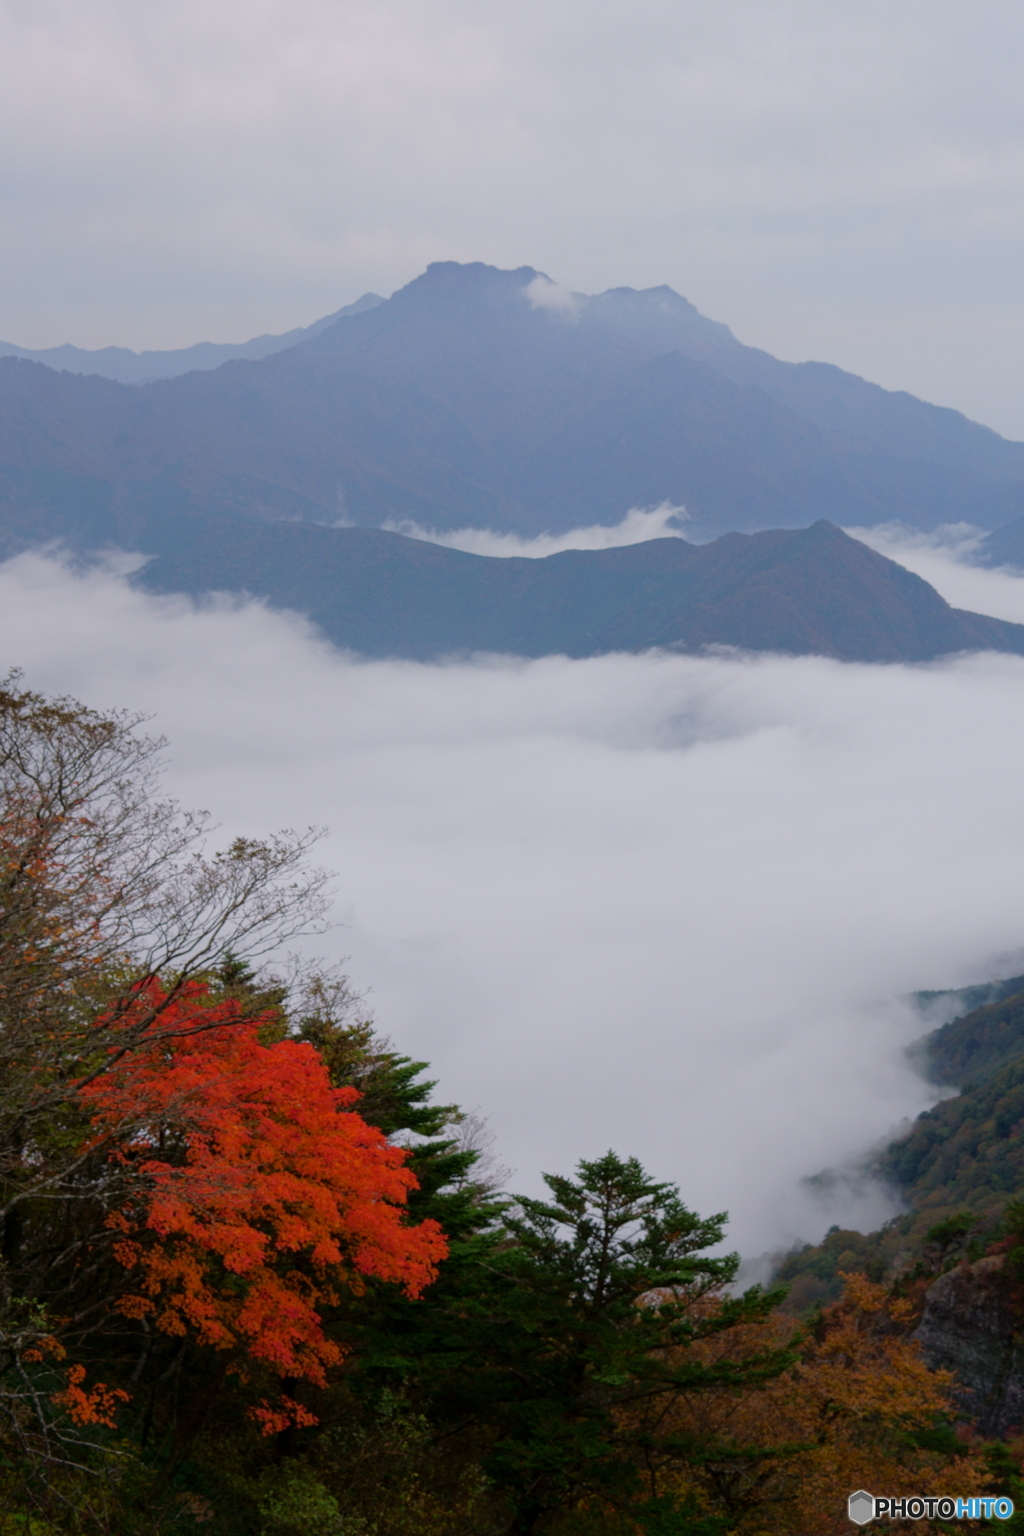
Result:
x=639 y=525
x=667 y=904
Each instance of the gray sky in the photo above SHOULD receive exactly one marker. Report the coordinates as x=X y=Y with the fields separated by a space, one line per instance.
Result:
x=839 y=179
x=663 y=903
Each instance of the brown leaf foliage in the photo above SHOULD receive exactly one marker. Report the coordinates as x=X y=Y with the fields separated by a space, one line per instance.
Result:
x=859 y=1409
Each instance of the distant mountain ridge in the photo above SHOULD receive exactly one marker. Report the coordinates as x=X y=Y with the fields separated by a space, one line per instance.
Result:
x=811 y=591
x=487 y=398
x=128 y=367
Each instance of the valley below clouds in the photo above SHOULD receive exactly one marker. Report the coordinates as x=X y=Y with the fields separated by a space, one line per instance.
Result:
x=668 y=904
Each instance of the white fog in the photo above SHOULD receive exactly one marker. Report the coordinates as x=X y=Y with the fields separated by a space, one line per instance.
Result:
x=666 y=904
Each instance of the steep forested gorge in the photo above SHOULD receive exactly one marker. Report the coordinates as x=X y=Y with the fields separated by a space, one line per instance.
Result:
x=958 y=1168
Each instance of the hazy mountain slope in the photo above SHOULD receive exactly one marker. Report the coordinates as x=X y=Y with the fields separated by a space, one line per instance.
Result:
x=812 y=591
x=459 y=401
x=980 y=1043
x=746 y=460
x=967 y=1152
x=659 y=320
x=129 y=367
x=1004 y=546
x=956 y=1003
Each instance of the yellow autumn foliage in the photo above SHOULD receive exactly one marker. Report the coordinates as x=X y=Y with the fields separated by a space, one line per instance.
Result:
x=859 y=1409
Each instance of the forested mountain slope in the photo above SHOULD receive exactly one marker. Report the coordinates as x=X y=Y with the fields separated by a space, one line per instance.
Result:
x=811 y=591
x=962 y=1159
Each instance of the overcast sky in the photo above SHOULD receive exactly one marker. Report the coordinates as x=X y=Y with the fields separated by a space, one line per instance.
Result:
x=838 y=179
x=664 y=903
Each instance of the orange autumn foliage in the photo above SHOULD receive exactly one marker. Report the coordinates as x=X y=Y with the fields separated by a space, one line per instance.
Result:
x=259 y=1192
x=98 y=1405
x=287 y=1413
x=857 y=1410
x=83 y=1406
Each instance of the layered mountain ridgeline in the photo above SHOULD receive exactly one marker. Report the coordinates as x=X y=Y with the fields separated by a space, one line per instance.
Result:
x=958 y=1169
x=811 y=591
x=129 y=367
x=477 y=397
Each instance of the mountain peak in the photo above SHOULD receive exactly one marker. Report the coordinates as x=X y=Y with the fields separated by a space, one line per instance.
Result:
x=481 y=397
x=470 y=282
x=661 y=318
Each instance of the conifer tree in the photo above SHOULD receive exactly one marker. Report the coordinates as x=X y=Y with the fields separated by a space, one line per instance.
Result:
x=587 y=1307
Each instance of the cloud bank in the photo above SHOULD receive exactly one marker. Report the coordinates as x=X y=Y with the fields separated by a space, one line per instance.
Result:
x=667 y=904
x=542 y=293
x=636 y=527
x=944 y=559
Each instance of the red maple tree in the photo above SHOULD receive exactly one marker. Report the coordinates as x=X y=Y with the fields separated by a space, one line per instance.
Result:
x=257 y=1191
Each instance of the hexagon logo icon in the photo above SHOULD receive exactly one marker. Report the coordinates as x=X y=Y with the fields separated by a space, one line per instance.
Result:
x=861 y=1507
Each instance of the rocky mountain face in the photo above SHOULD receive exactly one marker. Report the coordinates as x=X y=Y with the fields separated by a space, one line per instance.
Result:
x=973 y=1326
